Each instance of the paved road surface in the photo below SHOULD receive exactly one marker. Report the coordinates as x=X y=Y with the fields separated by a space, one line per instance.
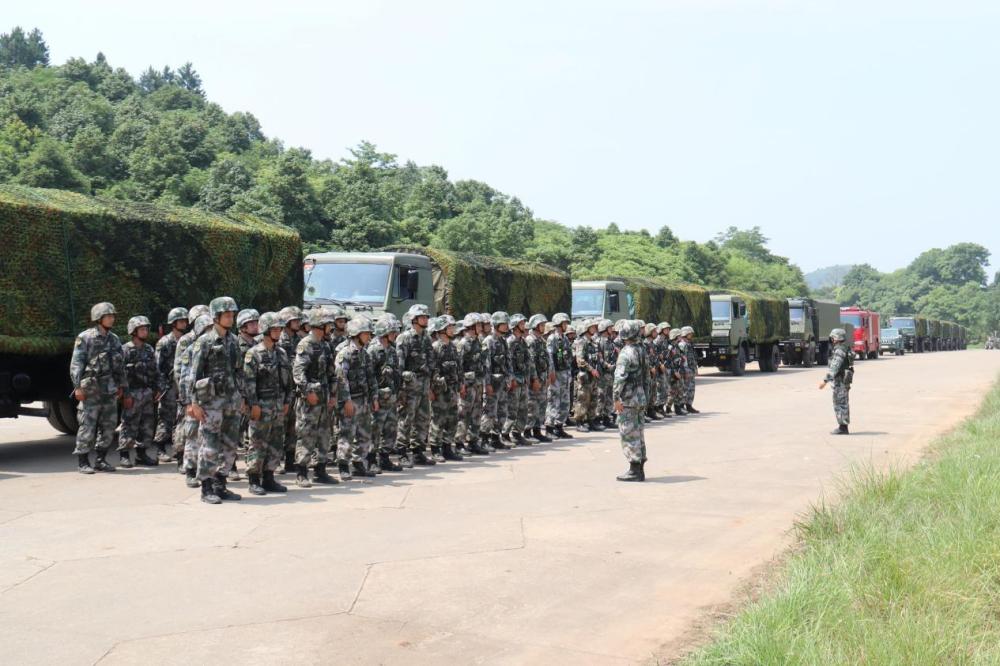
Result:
x=533 y=556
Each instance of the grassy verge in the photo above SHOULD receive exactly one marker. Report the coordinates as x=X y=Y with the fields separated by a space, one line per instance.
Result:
x=905 y=569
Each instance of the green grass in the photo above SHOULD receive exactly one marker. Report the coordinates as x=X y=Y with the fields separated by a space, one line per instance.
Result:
x=905 y=569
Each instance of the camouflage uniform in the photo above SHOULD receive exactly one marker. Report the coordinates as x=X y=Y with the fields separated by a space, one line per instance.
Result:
x=629 y=388
x=677 y=370
x=413 y=351
x=498 y=356
x=214 y=384
x=522 y=371
x=446 y=383
x=470 y=408
x=608 y=357
x=267 y=384
x=97 y=368
x=840 y=371
x=586 y=354
x=561 y=361
x=310 y=372
x=385 y=365
x=662 y=347
x=357 y=383
x=166 y=411
x=185 y=426
x=691 y=356
x=539 y=355
x=137 y=426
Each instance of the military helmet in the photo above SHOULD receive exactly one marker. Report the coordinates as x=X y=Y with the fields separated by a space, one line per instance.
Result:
x=629 y=330
x=459 y=325
x=270 y=320
x=470 y=320
x=319 y=317
x=200 y=324
x=603 y=325
x=516 y=319
x=838 y=334
x=675 y=333
x=687 y=330
x=358 y=325
x=175 y=314
x=222 y=304
x=135 y=322
x=549 y=327
x=379 y=328
x=560 y=318
x=337 y=312
x=101 y=310
x=649 y=328
x=448 y=319
x=500 y=317
x=407 y=320
x=290 y=313
x=664 y=326
x=418 y=310
x=536 y=320
x=197 y=311
x=391 y=324
x=246 y=316
x=434 y=325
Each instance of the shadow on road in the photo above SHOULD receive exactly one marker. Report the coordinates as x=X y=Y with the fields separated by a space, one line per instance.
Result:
x=675 y=479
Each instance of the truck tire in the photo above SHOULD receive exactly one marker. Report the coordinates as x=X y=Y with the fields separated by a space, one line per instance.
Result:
x=809 y=355
x=769 y=359
x=62 y=416
x=822 y=353
x=738 y=363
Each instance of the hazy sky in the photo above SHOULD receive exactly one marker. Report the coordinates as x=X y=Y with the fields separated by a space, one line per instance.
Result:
x=848 y=131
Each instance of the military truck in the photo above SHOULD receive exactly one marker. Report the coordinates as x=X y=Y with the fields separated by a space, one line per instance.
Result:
x=935 y=331
x=63 y=252
x=891 y=342
x=607 y=299
x=648 y=299
x=745 y=328
x=454 y=283
x=914 y=331
x=809 y=324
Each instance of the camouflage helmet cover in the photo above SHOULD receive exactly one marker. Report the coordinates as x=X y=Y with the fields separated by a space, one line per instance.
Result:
x=290 y=313
x=270 y=320
x=101 y=310
x=337 y=312
x=175 y=314
x=687 y=330
x=418 y=310
x=246 y=316
x=358 y=325
x=500 y=317
x=201 y=323
x=838 y=334
x=560 y=318
x=629 y=330
x=197 y=311
x=222 y=304
x=603 y=325
x=470 y=320
x=536 y=320
x=135 y=323
x=675 y=333
x=516 y=319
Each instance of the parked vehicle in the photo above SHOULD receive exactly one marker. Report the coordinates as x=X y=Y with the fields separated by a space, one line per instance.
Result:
x=914 y=331
x=866 y=331
x=892 y=342
x=745 y=328
x=648 y=299
x=809 y=324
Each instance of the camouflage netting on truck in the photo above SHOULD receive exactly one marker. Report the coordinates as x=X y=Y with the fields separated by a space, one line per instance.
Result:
x=934 y=328
x=678 y=303
x=63 y=252
x=466 y=283
x=921 y=326
x=768 y=315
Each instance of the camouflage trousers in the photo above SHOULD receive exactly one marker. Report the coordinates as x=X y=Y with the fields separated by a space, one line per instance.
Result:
x=557 y=407
x=354 y=434
x=675 y=395
x=385 y=422
x=166 y=419
x=334 y=421
x=289 y=439
x=517 y=409
x=662 y=389
x=312 y=432
x=186 y=438
x=137 y=426
x=841 y=402
x=537 y=402
x=414 y=414
x=488 y=422
x=503 y=406
x=470 y=410
x=586 y=394
x=631 y=429
x=98 y=418
x=218 y=435
x=266 y=444
x=444 y=418
x=606 y=403
x=689 y=388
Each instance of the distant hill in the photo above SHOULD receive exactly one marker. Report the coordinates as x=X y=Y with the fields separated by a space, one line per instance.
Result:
x=825 y=278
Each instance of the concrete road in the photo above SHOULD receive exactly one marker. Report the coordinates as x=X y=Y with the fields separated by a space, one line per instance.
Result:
x=531 y=556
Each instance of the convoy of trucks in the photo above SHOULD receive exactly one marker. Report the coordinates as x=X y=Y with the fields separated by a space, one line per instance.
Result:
x=809 y=324
x=745 y=328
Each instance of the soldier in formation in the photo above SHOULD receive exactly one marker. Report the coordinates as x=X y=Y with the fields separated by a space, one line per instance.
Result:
x=840 y=372
x=267 y=388
x=632 y=381
x=560 y=351
x=385 y=365
x=357 y=400
x=166 y=413
x=137 y=423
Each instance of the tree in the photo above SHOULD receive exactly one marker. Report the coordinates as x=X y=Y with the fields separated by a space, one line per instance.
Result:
x=188 y=79
x=665 y=237
x=228 y=180
x=752 y=243
x=47 y=165
x=20 y=50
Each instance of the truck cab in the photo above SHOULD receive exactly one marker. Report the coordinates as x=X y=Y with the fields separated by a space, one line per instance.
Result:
x=368 y=282
x=606 y=299
x=866 y=331
x=728 y=348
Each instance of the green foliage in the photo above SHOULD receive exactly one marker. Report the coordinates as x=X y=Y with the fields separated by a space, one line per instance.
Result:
x=20 y=50
x=767 y=313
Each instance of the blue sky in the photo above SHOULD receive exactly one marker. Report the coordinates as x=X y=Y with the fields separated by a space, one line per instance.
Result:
x=848 y=131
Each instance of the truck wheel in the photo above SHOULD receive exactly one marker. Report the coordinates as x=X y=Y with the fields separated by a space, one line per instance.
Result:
x=775 y=359
x=62 y=416
x=821 y=355
x=738 y=363
x=809 y=356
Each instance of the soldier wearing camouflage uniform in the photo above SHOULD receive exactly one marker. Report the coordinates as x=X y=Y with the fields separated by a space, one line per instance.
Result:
x=267 y=388
x=840 y=371
x=661 y=383
x=289 y=341
x=470 y=404
x=522 y=372
x=186 y=430
x=630 y=386
x=608 y=355
x=544 y=377
x=413 y=349
x=97 y=372
x=691 y=356
x=357 y=400
x=314 y=399
x=385 y=364
x=677 y=369
x=447 y=385
x=485 y=329
x=166 y=412
x=588 y=374
x=336 y=338
x=561 y=361
x=498 y=356
x=137 y=426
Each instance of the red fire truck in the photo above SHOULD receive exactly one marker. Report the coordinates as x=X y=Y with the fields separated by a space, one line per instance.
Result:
x=866 y=330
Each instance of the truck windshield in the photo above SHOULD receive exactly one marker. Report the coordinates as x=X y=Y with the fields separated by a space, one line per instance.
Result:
x=889 y=334
x=721 y=313
x=588 y=302
x=360 y=283
x=852 y=319
x=903 y=322
x=796 y=316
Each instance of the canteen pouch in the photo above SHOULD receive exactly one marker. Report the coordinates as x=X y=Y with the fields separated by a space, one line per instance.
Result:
x=204 y=389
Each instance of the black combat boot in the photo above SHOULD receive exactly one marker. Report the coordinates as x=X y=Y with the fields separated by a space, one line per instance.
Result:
x=540 y=436
x=179 y=459
x=125 y=459
x=302 y=477
x=385 y=462
x=527 y=434
x=100 y=463
x=665 y=410
x=498 y=444
x=253 y=480
x=642 y=470
x=841 y=430
x=359 y=469
x=405 y=459
x=477 y=449
x=633 y=473
x=449 y=453
x=437 y=455
x=83 y=463
x=606 y=422
x=233 y=474
x=487 y=443
x=679 y=410
x=561 y=432
x=584 y=426
x=289 y=462
x=373 y=462
x=271 y=485
x=345 y=470
x=208 y=495
x=505 y=436
x=552 y=432
x=690 y=409
x=519 y=440
x=651 y=414
x=596 y=426
x=144 y=459
x=570 y=421
x=191 y=478
x=223 y=492
x=421 y=458
x=161 y=453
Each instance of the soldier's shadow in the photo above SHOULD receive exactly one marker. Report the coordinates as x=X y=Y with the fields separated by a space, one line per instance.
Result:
x=675 y=479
